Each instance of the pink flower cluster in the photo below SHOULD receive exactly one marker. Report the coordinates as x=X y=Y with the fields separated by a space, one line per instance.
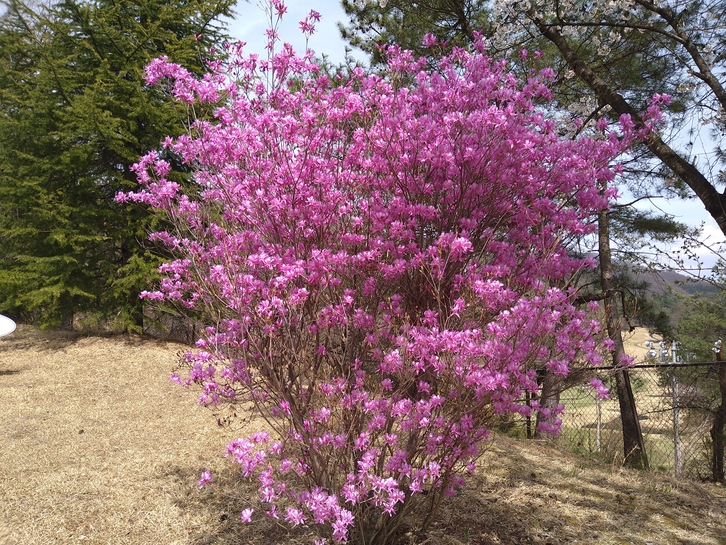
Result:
x=381 y=259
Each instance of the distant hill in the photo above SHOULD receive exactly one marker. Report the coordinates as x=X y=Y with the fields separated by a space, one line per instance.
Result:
x=670 y=280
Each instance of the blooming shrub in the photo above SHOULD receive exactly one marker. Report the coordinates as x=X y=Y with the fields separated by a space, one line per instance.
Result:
x=381 y=259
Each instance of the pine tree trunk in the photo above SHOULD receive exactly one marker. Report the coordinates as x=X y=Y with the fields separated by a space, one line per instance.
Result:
x=717 y=429
x=633 y=446
x=683 y=168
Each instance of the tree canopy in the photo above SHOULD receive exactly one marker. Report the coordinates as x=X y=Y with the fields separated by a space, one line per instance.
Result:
x=610 y=59
x=404 y=23
x=74 y=116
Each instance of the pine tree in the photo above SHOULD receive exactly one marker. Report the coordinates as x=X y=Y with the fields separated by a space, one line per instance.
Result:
x=75 y=116
x=400 y=22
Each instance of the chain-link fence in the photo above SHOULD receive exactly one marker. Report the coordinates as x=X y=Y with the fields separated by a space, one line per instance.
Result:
x=675 y=405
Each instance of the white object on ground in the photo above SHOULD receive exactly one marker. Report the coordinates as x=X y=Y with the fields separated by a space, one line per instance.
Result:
x=7 y=326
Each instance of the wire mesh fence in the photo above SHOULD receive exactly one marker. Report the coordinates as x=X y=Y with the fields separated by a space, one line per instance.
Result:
x=675 y=404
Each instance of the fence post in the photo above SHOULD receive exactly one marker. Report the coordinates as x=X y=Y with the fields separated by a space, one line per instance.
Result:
x=677 y=457
x=598 y=436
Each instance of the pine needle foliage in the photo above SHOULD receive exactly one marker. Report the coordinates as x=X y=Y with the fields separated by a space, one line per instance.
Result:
x=74 y=116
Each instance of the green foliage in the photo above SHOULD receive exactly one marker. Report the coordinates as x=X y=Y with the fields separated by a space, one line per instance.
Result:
x=74 y=116
x=405 y=23
x=703 y=323
x=630 y=222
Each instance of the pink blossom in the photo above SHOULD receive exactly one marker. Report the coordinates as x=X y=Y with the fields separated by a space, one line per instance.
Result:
x=294 y=516
x=599 y=388
x=429 y=40
x=246 y=515
x=205 y=478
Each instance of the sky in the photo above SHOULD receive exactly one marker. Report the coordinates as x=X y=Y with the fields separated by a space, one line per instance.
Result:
x=250 y=24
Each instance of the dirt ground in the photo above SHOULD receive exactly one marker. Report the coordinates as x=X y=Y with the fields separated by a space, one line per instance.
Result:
x=98 y=447
x=634 y=342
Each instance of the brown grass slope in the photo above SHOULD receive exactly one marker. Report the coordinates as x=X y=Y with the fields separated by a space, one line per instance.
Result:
x=97 y=447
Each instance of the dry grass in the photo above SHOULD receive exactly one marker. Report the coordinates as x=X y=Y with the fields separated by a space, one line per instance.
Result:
x=98 y=447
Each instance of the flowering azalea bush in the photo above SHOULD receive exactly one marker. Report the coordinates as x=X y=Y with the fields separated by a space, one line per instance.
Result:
x=381 y=260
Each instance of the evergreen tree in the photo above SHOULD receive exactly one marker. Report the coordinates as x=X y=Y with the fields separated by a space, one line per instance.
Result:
x=74 y=116
x=702 y=325
x=376 y=24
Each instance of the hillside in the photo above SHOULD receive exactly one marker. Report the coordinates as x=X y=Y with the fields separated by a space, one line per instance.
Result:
x=98 y=447
x=665 y=281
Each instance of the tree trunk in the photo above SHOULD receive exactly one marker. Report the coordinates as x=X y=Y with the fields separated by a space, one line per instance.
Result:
x=717 y=429
x=633 y=446
x=714 y=202
x=549 y=397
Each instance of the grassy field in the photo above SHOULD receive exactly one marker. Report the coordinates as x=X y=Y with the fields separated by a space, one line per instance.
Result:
x=98 y=447
x=654 y=402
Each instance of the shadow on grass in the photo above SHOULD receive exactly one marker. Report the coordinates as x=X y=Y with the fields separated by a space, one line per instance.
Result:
x=527 y=493
x=214 y=512
x=29 y=337
x=32 y=338
x=523 y=493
